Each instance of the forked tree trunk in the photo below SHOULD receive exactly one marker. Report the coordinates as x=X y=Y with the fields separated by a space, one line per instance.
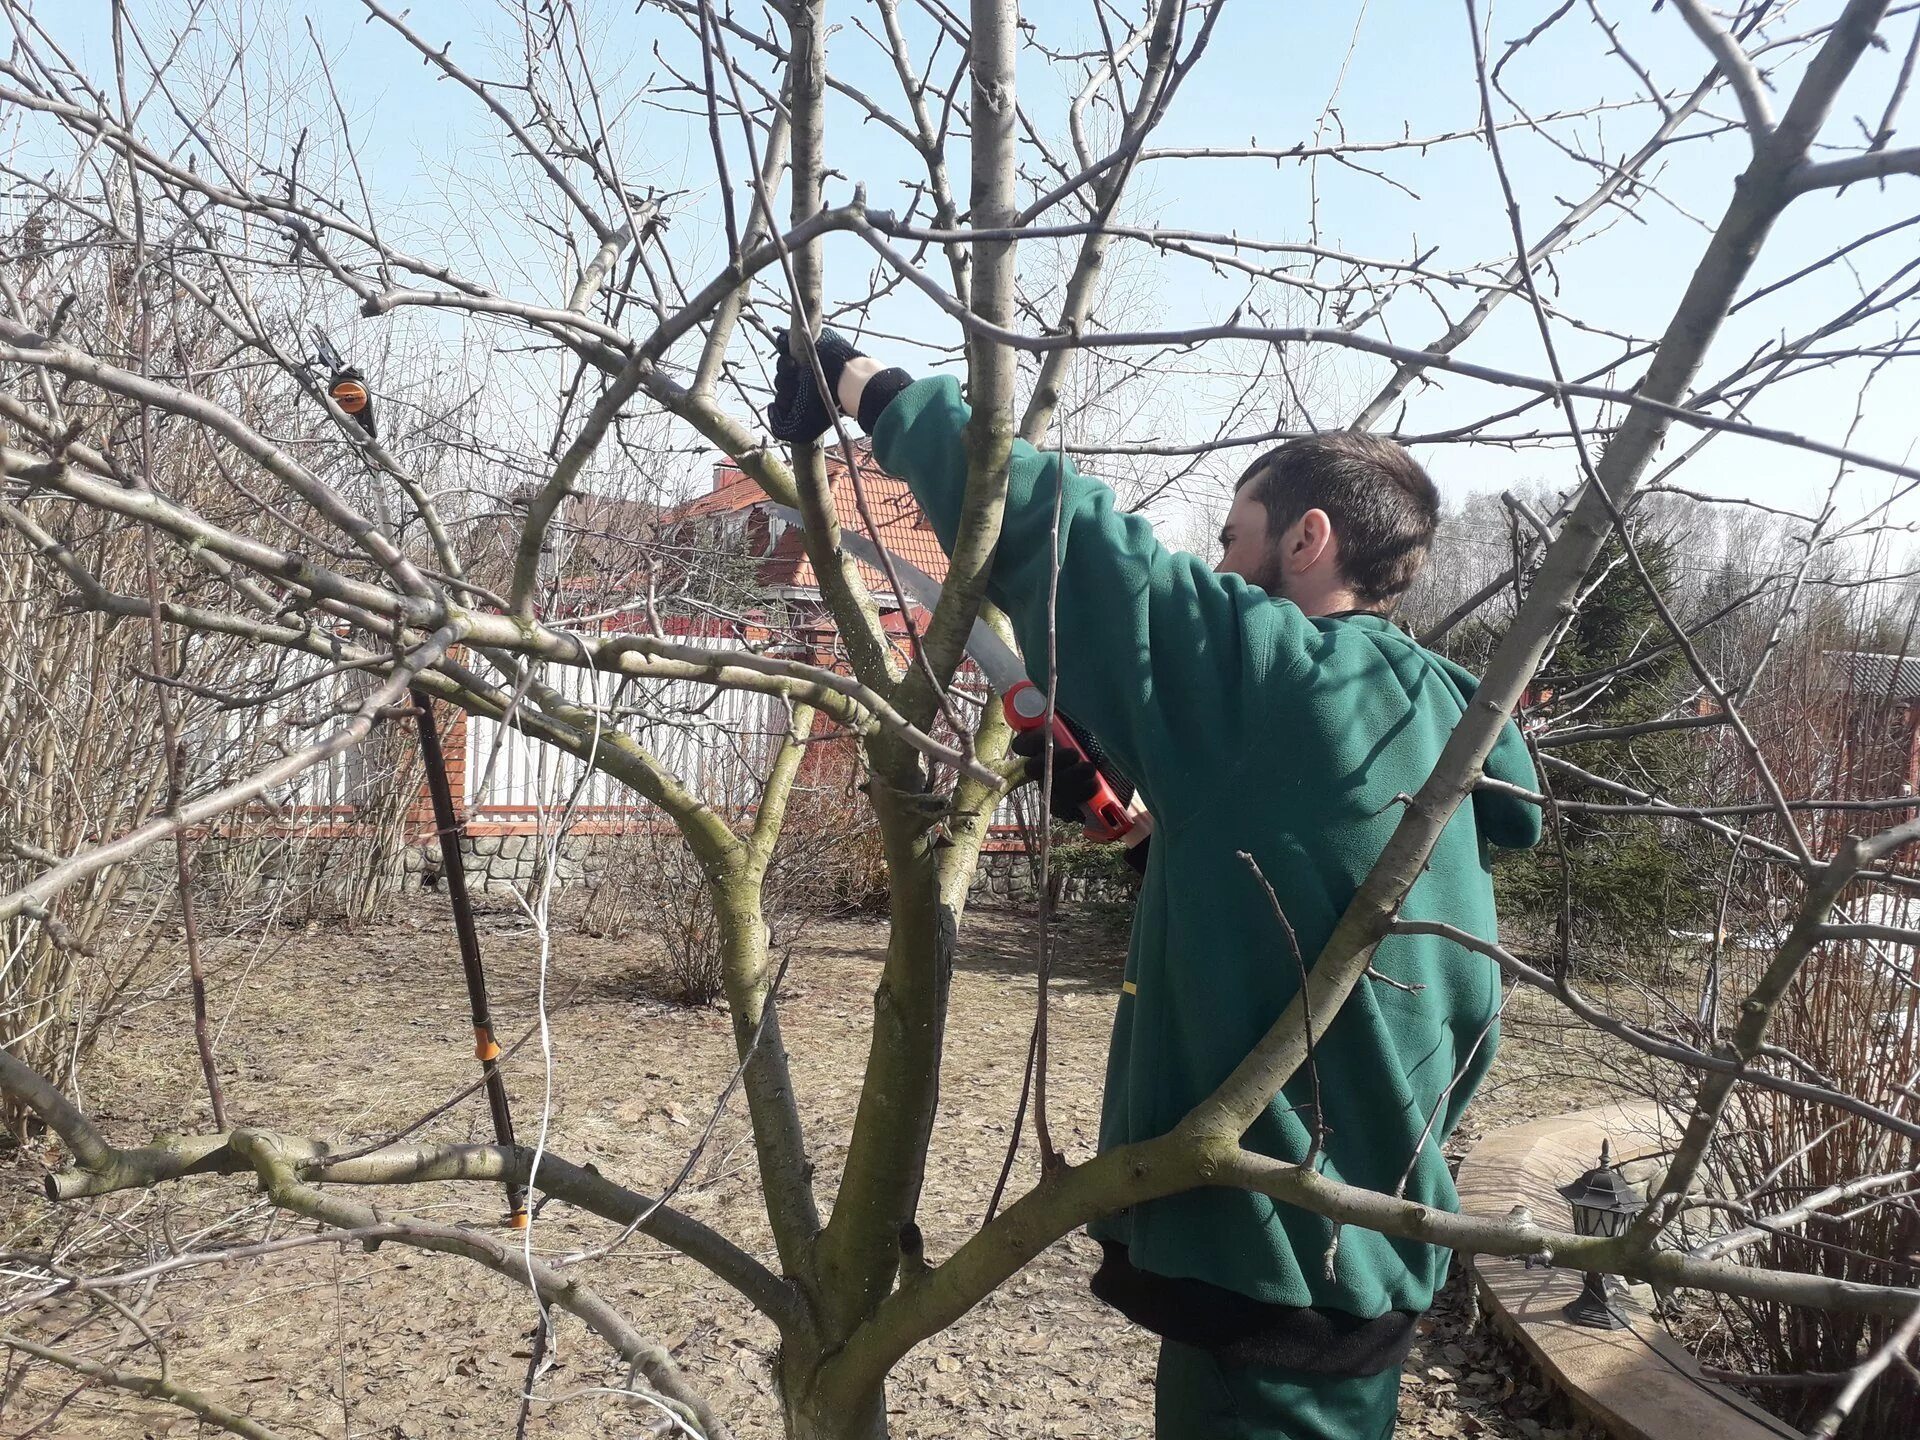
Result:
x=830 y=1416
x=868 y=1422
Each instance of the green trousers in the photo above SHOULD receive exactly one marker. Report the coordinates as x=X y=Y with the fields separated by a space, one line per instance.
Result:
x=1198 y=1398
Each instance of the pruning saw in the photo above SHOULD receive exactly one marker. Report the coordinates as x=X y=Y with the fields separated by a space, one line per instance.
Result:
x=1024 y=703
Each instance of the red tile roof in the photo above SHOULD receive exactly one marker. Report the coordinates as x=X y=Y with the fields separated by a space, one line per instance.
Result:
x=902 y=527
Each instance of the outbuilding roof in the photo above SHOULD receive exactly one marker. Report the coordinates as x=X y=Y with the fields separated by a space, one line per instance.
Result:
x=1869 y=673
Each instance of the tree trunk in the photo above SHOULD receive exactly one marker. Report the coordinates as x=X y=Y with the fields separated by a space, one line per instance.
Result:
x=834 y=1416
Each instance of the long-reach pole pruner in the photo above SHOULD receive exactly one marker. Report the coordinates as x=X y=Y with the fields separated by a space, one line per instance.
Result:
x=453 y=866
x=349 y=391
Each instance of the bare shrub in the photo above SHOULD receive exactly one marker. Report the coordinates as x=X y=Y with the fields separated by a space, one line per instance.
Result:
x=83 y=761
x=1814 y=1192
x=828 y=860
x=647 y=883
x=1857 y=1020
x=337 y=857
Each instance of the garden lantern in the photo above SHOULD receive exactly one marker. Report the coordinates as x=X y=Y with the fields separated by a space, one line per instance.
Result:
x=1603 y=1204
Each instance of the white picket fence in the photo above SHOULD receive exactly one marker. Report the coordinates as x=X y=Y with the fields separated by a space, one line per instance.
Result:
x=716 y=742
x=228 y=744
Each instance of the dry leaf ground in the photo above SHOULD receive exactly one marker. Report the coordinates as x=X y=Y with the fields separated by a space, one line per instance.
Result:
x=349 y=1034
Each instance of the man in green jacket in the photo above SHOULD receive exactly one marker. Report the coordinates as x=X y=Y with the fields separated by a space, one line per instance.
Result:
x=1270 y=707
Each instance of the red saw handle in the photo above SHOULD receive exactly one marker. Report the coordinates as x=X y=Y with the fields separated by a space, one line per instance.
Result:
x=1104 y=817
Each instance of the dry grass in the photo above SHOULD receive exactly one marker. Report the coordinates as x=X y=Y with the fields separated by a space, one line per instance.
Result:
x=346 y=1035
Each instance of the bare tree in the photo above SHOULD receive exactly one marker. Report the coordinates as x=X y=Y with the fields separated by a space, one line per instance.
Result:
x=313 y=535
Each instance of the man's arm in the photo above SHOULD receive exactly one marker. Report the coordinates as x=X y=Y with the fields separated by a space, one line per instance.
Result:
x=1157 y=654
x=853 y=382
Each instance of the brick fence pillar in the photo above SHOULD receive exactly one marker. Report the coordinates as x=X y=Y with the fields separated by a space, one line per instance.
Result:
x=451 y=725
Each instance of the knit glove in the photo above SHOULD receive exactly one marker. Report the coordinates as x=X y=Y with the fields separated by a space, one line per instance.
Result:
x=1075 y=778
x=798 y=413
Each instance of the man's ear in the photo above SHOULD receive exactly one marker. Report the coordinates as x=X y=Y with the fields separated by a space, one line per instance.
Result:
x=1310 y=542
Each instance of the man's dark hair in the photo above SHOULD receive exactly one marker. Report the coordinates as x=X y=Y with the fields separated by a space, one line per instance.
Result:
x=1382 y=505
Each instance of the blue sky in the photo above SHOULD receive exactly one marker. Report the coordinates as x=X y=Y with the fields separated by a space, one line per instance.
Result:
x=1397 y=66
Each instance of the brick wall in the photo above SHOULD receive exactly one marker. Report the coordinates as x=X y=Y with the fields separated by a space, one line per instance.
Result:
x=450 y=723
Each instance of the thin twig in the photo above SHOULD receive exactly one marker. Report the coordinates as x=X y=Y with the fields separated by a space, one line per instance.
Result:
x=1320 y=1131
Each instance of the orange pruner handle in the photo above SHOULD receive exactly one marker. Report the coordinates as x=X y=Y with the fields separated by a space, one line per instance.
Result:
x=349 y=395
x=1103 y=817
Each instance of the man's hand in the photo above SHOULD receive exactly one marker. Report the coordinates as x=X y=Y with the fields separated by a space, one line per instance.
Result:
x=1074 y=777
x=1074 y=782
x=798 y=413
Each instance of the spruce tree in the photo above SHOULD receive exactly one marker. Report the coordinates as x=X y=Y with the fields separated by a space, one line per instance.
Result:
x=1628 y=883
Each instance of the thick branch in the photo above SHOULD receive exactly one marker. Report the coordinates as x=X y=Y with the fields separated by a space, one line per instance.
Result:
x=1874 y=165
x=1733 y=63
x=416 y=1164
x=281 y=1184
x=152 y=1387
x=990 y=364
x=1133 y=1174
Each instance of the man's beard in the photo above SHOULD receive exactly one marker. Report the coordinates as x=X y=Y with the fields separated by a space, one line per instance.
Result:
x=1270 y=577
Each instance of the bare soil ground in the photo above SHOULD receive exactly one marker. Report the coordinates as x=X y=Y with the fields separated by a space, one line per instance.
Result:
x=348 y=1035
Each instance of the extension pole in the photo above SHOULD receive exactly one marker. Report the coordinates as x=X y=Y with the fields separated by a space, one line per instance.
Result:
x=453 y=865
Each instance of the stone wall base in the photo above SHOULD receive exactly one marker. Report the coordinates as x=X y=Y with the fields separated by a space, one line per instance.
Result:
x=499 y=865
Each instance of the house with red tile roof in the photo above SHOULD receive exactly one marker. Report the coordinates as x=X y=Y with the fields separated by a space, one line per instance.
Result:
x=735 y=515
x=719 y=570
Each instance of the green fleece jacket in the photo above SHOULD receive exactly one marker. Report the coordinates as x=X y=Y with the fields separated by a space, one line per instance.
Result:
x=1248 y=726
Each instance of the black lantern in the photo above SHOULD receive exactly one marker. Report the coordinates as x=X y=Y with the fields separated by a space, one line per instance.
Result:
x=1603 y=1204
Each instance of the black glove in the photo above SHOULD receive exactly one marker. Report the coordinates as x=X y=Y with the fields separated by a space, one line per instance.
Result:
x=798 y=414
x=1074 y=777
x=1074 y=782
